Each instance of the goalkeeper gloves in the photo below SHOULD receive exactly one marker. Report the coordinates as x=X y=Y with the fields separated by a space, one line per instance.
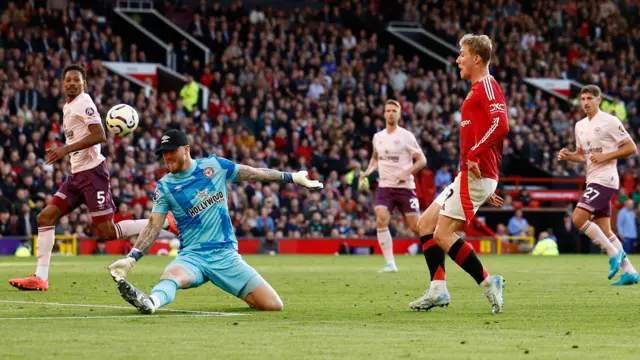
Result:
x=301 y=179
x=120 y=268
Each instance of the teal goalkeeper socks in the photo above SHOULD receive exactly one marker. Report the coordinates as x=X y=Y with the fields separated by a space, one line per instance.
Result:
x=165 y=291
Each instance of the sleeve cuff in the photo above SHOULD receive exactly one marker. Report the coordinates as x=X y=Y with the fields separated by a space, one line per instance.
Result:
x=232 y=176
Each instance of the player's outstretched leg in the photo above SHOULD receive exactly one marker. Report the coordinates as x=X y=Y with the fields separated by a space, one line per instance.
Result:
x=46 y=237
x=135 y=297
x=175 y=277
x=463 y=254
x=437 y=294
x=582 y=220
x=630 y=274
x=385 y=240
x=108 y=230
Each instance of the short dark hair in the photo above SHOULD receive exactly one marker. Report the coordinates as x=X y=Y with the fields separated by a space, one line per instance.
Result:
x=591 y=89
x=75 y=67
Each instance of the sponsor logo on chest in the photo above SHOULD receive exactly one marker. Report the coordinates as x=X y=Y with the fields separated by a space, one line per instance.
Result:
x=206 y=201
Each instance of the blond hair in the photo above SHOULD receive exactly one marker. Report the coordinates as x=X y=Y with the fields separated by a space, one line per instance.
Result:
x=393 y=102
x=478 y=45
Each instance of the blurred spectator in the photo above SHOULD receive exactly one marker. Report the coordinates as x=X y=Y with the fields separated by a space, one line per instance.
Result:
x=189 y=93
x=545 y=246
x=269 y=245
x=518 y=225
x=627 y=226
x=101 y=248
x=568 y=236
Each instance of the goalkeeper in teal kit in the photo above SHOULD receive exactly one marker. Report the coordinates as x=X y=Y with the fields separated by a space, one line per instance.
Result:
x=195 y=191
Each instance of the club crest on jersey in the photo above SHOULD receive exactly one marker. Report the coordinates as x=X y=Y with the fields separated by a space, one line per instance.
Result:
x=208 y=172
x=89 y=111
x=597 y=130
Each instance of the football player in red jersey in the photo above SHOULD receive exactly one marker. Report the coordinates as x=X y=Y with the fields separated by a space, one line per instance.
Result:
x=483 y=129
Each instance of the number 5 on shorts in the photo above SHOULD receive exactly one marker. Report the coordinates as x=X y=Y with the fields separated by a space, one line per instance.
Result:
x=100 y=197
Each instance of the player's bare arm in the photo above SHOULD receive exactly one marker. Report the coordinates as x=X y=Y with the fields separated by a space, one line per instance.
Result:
x=96 y=136
x=248 y=173
x=627 y=149
x=576 y=156
x=373 y=165
x=420 y=161
x=150 y=233
x=120 y=268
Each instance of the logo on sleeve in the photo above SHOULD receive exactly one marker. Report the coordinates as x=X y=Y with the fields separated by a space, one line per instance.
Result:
x=208 y=172
x=622 y=130
x=156 y=195
x=497 y=108
x=89 y=111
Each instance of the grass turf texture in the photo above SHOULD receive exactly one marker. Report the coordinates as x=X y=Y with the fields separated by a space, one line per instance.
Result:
x=335 y=307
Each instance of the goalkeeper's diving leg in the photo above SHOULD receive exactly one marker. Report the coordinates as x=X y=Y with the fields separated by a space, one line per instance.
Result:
x=256 y=292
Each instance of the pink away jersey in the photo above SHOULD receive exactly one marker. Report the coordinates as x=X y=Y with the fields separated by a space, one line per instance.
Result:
x=601 y=135
x=78 y=115
x=395 y=155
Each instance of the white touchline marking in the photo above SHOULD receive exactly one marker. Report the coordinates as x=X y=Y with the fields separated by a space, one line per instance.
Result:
x=208 y=313
x=101 y=317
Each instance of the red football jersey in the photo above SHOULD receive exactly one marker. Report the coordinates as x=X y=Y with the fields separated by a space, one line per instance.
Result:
x=483 y=128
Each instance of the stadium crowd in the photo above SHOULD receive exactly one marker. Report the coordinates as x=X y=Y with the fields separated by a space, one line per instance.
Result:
x=289 y=91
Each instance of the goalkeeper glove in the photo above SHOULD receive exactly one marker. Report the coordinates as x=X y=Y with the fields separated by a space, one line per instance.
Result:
x=120 y=268
x=301 y=179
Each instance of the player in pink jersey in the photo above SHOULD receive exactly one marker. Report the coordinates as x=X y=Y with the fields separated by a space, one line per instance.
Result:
x=601 y=139
x=394 y=152
x=88 y=183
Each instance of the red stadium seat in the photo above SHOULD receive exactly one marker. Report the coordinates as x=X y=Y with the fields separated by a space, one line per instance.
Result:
x=629 y=183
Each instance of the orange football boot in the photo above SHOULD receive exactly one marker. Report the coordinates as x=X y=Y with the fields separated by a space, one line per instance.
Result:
x=31 y=283
x=173 y=226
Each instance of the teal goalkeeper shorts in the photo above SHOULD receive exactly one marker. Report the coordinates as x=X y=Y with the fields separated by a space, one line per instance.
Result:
x=225 y=268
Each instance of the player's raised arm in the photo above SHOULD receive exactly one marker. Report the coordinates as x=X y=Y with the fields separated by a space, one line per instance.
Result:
x=248 y=173
x=96 y=136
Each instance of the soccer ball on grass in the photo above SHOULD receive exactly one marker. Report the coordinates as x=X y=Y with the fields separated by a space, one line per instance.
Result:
x=122 y=120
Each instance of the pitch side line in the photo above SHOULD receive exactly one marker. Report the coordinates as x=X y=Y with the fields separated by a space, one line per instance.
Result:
x=100 y=317
x=207 y=313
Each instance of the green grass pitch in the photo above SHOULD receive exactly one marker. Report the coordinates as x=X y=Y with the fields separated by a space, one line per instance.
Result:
x=335 y=308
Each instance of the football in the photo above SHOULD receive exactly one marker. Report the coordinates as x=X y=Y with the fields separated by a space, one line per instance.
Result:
x=122 y=120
